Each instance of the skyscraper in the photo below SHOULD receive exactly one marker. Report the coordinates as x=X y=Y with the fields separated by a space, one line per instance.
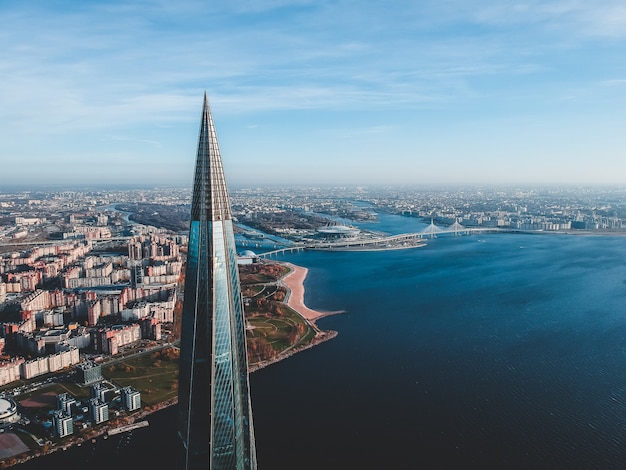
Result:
x=214 y=412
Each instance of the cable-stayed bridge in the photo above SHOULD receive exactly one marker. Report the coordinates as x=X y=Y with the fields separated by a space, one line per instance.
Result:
x=392 y=242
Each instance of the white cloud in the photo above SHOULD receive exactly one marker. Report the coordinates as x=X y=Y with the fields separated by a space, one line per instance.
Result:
x=119 y=68
x=614 y=82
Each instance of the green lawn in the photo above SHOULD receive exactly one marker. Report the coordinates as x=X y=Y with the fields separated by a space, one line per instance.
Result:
x=281 y=332
x=154 y=377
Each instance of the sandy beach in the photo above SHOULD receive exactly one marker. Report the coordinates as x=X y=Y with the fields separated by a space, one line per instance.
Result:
x=295 y=283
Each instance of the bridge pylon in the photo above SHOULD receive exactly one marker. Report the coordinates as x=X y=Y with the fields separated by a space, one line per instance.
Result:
x=457 y=228
x=432 y=230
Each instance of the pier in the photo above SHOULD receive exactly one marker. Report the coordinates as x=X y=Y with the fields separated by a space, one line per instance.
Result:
x=128 y=427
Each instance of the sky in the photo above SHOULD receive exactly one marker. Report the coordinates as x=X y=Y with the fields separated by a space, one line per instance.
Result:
x=336 y=92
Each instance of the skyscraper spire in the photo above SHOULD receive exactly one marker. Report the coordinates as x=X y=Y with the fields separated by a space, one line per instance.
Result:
x=214 y=411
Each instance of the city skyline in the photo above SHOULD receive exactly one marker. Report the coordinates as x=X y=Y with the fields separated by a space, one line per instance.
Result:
x=315 y=92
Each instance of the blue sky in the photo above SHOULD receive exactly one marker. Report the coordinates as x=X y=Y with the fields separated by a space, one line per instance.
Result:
x=314 y=92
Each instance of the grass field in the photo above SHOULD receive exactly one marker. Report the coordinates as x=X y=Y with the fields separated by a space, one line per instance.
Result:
x=269 y=335
x=154 y=375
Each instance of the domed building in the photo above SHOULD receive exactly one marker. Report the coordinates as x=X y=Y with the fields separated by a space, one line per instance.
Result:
x=8 y=412
x=247 y=257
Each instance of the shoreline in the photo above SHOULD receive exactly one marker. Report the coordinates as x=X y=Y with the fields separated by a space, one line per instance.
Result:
x=294 y=282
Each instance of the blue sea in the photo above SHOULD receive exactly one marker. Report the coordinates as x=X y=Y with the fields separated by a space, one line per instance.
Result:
x=483 y=351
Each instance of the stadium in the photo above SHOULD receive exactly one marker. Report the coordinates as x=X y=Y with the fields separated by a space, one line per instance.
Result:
x=338 y=231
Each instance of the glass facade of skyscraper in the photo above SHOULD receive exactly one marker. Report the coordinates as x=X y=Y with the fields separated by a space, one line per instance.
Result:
x=215 y=416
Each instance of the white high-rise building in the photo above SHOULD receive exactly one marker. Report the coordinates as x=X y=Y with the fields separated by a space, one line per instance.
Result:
x=63 y=424
x=131 y=398
x=99 y=410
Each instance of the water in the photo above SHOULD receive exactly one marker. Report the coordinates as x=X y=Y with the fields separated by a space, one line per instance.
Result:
x=490 y=351
x=504 y=351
